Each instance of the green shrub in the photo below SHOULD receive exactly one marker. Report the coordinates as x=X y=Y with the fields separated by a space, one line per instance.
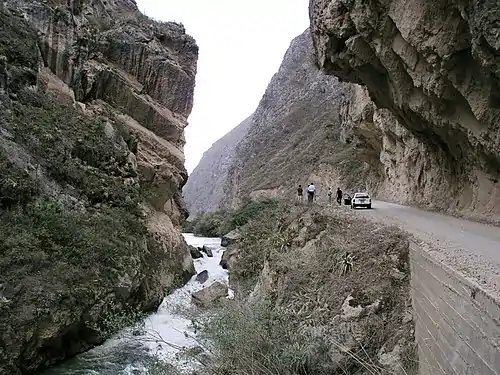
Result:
x=73 y=149
x=16 y=186
x=216 y=224
x=44 y=232
x=210 y=225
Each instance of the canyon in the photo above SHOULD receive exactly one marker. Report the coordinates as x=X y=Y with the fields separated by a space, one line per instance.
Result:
x=401 y=99
x=398 y=98
x=411 y=120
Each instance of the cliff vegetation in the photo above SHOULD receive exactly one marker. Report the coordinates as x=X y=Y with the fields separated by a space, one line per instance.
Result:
x=84 y=231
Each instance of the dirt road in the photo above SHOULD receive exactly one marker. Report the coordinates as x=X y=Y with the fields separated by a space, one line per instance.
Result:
x=469 y=247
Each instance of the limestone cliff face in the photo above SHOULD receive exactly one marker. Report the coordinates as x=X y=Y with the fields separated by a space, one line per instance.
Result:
x=432 y=67
x=94 y=98
x=297 y=135
x=204 y=190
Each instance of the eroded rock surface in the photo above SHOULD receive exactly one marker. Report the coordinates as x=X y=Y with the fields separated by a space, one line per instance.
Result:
x=433 y=69
x=94 y=98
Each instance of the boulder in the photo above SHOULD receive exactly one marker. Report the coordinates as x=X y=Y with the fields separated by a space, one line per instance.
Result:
x=230 y=238
x=211 y=295
x=227 y=258
x=207 y=251
x=202 y=277
x=195 y=253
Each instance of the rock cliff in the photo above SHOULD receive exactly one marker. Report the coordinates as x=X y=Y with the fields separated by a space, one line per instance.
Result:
x=204 y=190
x=94 y=98
x=297 y=135
x=432 y=67
x=307 y=127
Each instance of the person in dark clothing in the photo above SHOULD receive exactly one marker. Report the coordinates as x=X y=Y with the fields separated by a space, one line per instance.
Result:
x=300 y=193
x=339 y=196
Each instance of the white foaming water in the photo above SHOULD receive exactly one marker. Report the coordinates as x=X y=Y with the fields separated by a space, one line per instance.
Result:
x=168 y=322
x=167 y=332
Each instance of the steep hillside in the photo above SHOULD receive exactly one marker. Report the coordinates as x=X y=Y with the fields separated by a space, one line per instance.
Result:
x=297 y=135
x=93 y=101
x=204 y=190
x=433 y=68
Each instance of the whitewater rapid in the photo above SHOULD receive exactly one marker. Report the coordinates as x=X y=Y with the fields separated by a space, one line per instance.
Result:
x=167 y=332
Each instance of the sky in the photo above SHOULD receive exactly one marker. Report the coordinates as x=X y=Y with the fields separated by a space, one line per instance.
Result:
x=242 y=43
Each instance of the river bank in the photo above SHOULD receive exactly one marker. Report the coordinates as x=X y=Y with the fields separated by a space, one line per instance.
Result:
x=158 y=343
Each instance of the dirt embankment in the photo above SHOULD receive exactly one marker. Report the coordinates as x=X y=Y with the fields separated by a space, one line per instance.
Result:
x=329 y=290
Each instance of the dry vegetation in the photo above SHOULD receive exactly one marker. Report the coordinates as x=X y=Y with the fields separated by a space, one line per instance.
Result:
x=290 y=315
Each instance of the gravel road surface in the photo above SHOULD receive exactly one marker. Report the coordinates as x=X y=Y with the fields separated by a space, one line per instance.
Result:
x=469 y=247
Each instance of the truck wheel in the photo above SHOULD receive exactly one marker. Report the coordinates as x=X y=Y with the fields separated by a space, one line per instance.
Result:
x=369 y=206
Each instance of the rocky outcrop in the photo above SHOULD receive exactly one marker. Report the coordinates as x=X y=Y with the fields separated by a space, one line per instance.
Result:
x=94 y=98
x=230 y=238
x=348 y=320
x=204 y=190
x=432 y=67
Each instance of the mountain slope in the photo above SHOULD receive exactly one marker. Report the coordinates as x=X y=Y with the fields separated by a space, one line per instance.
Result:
x=204 y=190
x=297 y=135
x=307 y=127
x=91 y=169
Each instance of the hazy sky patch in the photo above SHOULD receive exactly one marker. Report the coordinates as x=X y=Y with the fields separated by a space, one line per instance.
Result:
x=242 y=43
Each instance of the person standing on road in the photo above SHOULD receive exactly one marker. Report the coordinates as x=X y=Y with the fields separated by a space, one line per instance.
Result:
x=300 y=193
x=339 y=196
x=310 y=193
x=330 y=195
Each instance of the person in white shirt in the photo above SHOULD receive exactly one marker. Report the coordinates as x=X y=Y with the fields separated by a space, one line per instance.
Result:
x=310 y=192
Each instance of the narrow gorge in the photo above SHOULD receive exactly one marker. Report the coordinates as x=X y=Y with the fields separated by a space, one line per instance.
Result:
x=94 y=97
x=114 y=262
x=411 y=118
x=401 y=99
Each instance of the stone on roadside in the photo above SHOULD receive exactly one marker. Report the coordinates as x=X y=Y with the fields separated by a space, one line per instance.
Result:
x=195 y=253
x=397 y=274
x=202 y=277
x=211 y=295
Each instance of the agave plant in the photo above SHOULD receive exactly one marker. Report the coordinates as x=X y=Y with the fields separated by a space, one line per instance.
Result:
x=347 y=263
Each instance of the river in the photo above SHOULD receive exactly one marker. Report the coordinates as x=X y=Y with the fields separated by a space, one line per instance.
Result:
x=165 y=332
